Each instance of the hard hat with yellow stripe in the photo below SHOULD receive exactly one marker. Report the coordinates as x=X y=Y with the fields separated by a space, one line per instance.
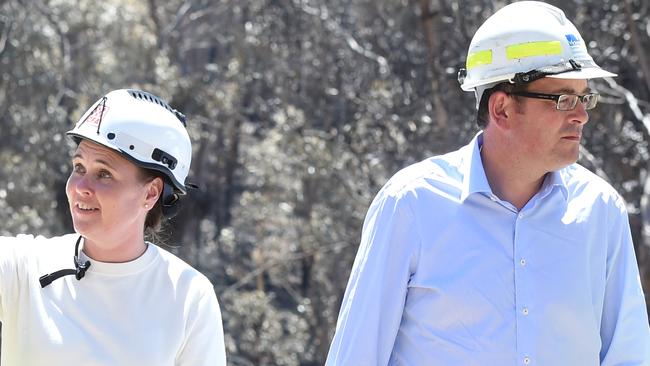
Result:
x=523 y=42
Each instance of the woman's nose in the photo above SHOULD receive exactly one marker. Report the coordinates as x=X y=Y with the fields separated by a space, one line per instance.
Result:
x=82 y=185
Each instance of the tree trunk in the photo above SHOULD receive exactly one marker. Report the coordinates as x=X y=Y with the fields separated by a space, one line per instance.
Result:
x=431 y=27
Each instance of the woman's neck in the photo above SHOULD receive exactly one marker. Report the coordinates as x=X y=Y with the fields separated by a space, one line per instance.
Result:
x=115 y=251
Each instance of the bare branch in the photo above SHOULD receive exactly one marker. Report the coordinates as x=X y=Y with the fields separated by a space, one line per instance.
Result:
x=5 y=36
x=64 y=43
x=153 y=14
x=289 y=258
x=632 y=102
x=349 y=39
x=593 y=161
x=213 y=10
x=636 y=43
x=181 y=13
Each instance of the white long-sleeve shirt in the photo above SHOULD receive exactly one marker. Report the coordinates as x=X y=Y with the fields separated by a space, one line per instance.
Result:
x=448 y=274
x=154 y=310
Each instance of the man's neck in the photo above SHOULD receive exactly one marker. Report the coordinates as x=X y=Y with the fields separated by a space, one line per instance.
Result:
x=510 y=177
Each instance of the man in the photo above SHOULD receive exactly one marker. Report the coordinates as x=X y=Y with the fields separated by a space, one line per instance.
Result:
x=504 y=252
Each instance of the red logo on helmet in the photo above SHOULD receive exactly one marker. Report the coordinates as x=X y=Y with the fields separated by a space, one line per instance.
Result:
x=95 y=117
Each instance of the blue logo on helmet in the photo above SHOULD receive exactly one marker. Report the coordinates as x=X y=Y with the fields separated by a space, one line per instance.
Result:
x=573 y=40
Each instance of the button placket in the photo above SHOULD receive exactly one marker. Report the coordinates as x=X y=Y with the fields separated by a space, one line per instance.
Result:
x=524 y=293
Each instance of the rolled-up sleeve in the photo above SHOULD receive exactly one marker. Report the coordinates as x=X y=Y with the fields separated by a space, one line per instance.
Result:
x=372 y=306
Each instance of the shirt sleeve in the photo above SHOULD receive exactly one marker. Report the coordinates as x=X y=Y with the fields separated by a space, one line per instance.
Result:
x=204 y=340
x=624 y=332
x=5 y=270
x=9 y=271
x=374 y=299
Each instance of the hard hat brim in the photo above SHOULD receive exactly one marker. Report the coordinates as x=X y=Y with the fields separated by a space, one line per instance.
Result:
x=77 y=137
x=586 y=73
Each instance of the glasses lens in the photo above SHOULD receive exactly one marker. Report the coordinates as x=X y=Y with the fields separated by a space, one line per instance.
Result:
x=590 y=100
x=567 y=102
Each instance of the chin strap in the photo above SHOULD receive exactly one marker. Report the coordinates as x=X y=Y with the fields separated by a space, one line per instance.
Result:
x=570 y=65
x=79 y=270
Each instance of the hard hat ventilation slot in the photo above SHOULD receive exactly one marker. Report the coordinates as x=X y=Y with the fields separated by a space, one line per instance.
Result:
x=138 y=94
x=142 y=95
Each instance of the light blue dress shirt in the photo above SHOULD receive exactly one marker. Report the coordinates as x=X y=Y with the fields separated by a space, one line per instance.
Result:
x=448 y=274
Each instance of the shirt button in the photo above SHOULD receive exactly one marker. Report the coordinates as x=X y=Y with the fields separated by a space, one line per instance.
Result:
x=521 y=215
x=522 y=261
x=525 y=311
x=526 y=360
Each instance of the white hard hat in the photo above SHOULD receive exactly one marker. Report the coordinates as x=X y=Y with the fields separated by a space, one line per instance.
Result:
x=525 y=41
x=143 y=128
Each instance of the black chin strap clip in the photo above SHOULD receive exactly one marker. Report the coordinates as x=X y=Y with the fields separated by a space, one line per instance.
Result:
x=79 y=270
x=530 y=76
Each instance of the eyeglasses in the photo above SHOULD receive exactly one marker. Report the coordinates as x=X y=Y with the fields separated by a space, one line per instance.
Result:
x=564 y=102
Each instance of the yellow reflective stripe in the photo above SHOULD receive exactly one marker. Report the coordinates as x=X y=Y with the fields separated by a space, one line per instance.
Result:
x=531 y=49
x=479 y=58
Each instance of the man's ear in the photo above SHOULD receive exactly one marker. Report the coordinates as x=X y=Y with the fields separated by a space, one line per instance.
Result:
x=501 y=108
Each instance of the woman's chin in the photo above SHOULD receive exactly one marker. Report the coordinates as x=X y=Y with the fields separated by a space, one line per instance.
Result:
x=85 y=229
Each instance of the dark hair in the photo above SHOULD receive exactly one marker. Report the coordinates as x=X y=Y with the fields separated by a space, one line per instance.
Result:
x=482 y=116
x=153 y=221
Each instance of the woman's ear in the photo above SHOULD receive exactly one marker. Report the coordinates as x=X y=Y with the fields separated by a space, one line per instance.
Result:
x=154 y=189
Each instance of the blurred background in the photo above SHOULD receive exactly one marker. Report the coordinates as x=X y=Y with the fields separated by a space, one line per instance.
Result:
x=299 y=111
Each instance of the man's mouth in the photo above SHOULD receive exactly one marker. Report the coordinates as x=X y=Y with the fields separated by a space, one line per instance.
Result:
x=572 y=137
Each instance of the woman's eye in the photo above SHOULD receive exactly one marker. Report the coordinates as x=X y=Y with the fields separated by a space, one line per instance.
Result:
x=78 y=168
x=104 y=174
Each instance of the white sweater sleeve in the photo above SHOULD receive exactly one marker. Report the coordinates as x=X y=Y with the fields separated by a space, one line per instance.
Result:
x=204 y=340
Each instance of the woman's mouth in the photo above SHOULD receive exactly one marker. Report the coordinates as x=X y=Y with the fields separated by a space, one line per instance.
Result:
x=82 y=207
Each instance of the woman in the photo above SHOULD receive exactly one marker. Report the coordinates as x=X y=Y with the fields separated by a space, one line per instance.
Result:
x=127 y=301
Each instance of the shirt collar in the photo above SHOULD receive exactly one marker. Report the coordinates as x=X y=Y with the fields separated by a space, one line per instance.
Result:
x=475 y=180
x=552 y=180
